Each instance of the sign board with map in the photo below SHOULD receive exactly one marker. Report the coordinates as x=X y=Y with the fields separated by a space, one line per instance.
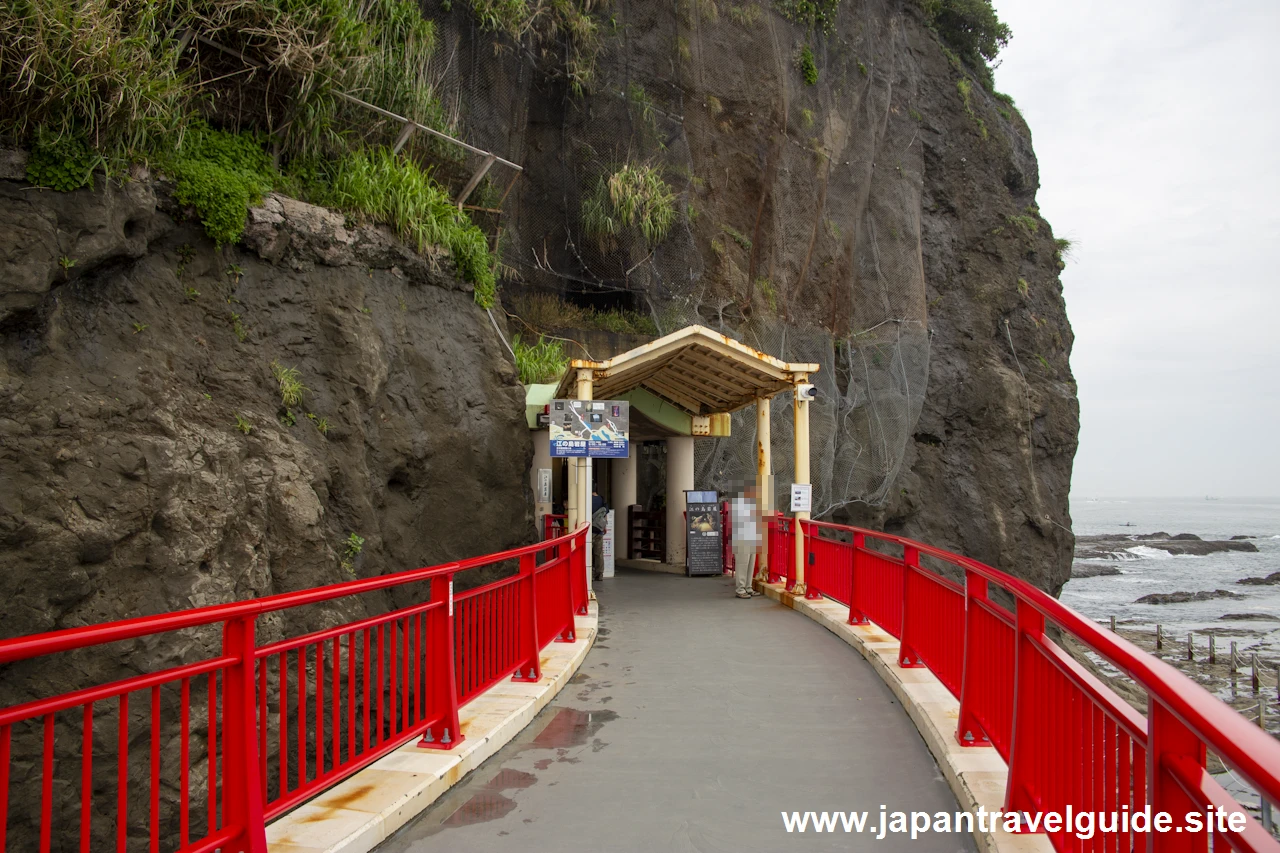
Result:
x=595 y=428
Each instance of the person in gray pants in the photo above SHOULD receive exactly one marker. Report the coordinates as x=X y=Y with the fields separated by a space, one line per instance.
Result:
x=744 y=515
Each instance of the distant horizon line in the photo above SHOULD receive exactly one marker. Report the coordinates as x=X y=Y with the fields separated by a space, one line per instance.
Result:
x=1198 y=497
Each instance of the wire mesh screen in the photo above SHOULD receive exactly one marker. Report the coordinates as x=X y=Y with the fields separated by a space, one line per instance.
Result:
x=797 y=224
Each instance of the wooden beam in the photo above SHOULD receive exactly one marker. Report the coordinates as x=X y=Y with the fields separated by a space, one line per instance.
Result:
x=714 y=394
x=675 y=395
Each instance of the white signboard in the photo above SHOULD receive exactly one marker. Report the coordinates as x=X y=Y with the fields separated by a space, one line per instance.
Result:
x=801 y=497
x=544 y=485
x=607 y=545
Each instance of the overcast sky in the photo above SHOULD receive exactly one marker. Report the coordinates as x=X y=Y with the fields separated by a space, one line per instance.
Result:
x=1156 y=126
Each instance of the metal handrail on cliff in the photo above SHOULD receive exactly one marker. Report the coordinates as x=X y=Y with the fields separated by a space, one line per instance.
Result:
x=1068 y=739
x=251 y=745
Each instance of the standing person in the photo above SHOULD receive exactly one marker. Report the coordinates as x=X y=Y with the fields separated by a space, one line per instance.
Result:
x=599 y=518
x=744 y=513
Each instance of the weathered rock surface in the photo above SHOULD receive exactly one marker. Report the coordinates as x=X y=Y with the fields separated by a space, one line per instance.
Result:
x=1093 y=570
x=1181 y=597
x=1270 y=580
x=127 y=488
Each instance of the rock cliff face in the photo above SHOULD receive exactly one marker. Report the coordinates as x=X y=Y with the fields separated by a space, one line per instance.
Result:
x=148 y=460
x=880 y=221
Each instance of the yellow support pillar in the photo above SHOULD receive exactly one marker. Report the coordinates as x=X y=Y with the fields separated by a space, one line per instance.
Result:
x=764 y=479
x=801 y=412
x=584 y=392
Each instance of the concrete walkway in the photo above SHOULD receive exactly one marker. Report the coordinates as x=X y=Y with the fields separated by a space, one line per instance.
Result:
x=694 y=722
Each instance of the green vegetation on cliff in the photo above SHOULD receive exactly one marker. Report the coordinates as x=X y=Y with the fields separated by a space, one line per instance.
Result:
x=568 y=21
x=103 y=86
x=633 y=197
x=541 y=362
x=972 y=29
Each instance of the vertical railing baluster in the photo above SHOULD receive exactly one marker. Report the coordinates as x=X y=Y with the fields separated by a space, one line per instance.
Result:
x=319 y=754
x=1027 y=711
x=351 y=696
x=302 y=716
x=122 y=776
x=907 y=657
x=86 y=778
x=184 y=763
x=5 y=739
x=46 y=786
x=335 y=726
x=155 y=769
x=282 y=740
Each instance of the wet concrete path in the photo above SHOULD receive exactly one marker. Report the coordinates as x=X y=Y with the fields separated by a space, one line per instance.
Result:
x=694 y=722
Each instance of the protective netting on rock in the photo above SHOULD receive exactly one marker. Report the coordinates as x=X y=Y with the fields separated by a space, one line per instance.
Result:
x=797 y=208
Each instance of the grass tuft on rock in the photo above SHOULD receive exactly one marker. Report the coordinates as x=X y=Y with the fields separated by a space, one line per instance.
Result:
x=396 y=191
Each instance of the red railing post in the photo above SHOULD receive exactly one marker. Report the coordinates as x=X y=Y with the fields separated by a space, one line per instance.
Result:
x=568 y=635
x=529 y=669
x=969 y=731
x=242 y=798
x=578 y=571
x=438 y=660
x=1028 y=713
x=907 y=657
x=856 y=616
x=809 y=535
x=1170 y=739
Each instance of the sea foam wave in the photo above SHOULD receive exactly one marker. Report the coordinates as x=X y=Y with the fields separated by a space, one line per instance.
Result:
x=1149 y=553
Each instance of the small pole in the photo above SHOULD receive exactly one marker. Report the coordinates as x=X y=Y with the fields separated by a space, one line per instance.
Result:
x=1278 y=682
x=1254 y=675
x=1235 y=662
x=1262 y=713
x=1213 y=649
x=1159 y=637
x=1191 y=649
x=1113 y=624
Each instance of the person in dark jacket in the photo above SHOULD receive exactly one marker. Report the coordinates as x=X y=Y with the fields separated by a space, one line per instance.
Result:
x=599 y=518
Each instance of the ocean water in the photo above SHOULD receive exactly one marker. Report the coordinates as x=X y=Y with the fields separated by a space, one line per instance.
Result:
x=1146 y=569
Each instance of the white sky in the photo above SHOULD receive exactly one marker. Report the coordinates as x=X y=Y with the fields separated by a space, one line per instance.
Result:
x=1157 y=130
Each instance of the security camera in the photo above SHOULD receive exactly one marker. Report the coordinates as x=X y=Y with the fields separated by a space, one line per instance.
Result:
x=806 y=391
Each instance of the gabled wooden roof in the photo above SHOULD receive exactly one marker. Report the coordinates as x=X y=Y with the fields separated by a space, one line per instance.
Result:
x=698 y=370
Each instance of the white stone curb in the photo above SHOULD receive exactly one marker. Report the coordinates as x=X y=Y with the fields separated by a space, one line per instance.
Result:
x=976 y=774
x=364 y=810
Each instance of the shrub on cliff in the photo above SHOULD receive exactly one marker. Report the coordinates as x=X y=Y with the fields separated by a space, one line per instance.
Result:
x=220 y=174
x=971 y=28
x=633 y=197
x=541 y=362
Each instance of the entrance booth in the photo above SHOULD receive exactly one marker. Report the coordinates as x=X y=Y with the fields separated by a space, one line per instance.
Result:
x=680 y=388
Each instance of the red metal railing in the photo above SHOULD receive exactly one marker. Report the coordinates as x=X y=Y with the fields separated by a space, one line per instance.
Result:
x=1068 y=739
x=554 y=525
x=241 y=737
x=782 y=549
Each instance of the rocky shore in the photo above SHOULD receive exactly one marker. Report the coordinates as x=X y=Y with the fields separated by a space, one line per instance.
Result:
x=1113 y=547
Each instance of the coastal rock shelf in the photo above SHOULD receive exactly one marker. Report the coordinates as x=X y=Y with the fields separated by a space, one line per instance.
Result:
x=1113 y=547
